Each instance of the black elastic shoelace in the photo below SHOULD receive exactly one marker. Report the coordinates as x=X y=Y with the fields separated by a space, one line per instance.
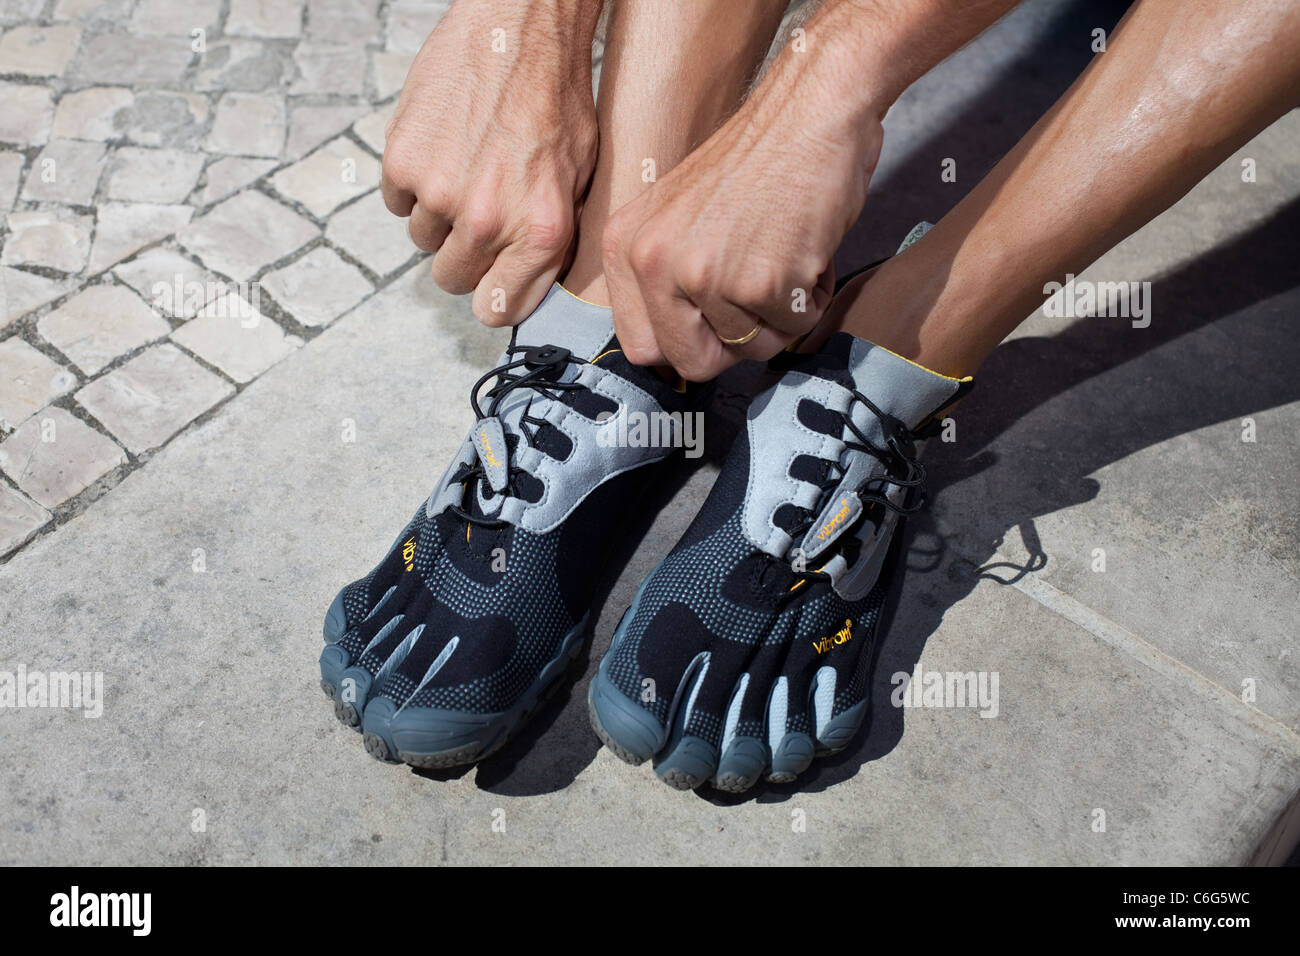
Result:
x=544 y=364
x=902 y=470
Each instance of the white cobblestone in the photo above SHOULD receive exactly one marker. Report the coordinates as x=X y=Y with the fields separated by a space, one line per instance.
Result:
x=242 y=64
x=309 y=126
x=171 y=284
x=125 y=228
x=342 y=21
x=232 y=335
x=265 y=18
x=53 y=238
x=11 y=168
x=138 y=174
x=152 y=397
x=22 y=291
x=329 y=177
x=97 y=11
x=100 y=324
x=388 y=72
x=55 y=456
x=121 y=59
x=28 y=382
x=38 y=51
x=373 y=129
x=99 y=113
x=248 y=124
x=66 y=171
x=229 y=174
x=27 y=114
x=372 y=235
x=166 y=118
x=245 y=233
x=20 y=518
x=318 y=288
x=169 y=18
x=329 y=68
x=410 y=22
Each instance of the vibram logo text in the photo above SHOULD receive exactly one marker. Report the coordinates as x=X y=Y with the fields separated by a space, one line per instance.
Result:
x=842 y=636
x=487 y=449
x=408 y=554
x=835 y=522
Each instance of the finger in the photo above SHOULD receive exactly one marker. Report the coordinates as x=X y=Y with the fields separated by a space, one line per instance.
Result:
x=463 y=260
x=688 y=342
x=631 y=320
x=514 y=286
x=398 y=199
x=427 y=230
x=730 y=321
x=824 y=290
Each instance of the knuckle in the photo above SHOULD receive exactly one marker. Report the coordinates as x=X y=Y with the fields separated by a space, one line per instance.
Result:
x=760 y=287
x=449 y=274
x=548 y=230
x=698 y=274
x=397 y=165
x=480 y=223
x=647 y=255
x=435 y=194
x=639 y=354
x=693 y=368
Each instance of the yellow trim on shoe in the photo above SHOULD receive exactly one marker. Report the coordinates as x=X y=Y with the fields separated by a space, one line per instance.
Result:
x=571 y=295
x=968 y=378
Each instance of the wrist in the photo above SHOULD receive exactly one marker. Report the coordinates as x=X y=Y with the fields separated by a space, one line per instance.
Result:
x=564 y=28
x=828 y=70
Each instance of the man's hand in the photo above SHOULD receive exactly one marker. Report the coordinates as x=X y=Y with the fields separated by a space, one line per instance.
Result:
x=492 y=145
x=740 y=236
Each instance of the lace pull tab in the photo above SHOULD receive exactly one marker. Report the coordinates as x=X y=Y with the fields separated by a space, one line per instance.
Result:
x=840 y=514
x=490 y=443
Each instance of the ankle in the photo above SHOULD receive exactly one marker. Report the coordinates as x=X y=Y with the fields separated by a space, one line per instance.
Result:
x=901 y=307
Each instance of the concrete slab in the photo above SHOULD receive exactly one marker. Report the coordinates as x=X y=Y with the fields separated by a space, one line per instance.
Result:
x=214 y=565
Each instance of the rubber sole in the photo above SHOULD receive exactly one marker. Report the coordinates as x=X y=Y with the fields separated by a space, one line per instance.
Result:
x=431 y=738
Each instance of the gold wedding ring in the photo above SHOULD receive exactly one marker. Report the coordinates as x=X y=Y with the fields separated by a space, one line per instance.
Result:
x=744 y=339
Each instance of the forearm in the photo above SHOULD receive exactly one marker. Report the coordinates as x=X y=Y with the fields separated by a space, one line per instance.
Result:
x=1179 y=88
x=549 y=39
x=856 y=57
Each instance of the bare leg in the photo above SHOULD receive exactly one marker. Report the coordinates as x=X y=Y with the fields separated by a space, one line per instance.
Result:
x=672 y=73
x=1179 y=89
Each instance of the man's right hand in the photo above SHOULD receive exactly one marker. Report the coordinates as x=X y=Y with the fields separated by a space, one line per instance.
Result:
x=492 y=146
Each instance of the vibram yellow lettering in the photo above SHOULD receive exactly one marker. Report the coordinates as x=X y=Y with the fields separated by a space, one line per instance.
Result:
x=835 y=522
x=842 y=636
x=408 y=554
x=487 y=449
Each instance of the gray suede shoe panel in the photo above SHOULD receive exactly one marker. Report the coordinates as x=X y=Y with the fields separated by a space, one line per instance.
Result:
x=596 y=456
x=778 y=438
x=896 y=386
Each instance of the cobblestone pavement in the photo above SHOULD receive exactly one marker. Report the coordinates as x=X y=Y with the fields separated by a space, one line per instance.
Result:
x=188 y=193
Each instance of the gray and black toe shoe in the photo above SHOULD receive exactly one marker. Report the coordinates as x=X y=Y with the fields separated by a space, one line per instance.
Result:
x=747 y=651
x=442 y=651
